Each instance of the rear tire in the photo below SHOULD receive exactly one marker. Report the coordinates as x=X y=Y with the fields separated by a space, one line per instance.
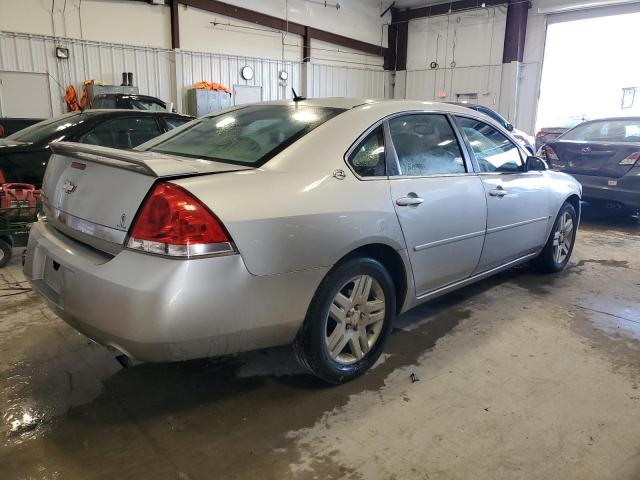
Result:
x=5 y=253
x=557 y=251
x=348 y=321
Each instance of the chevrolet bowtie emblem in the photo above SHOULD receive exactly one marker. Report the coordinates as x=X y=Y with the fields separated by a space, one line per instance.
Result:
x=68 y=187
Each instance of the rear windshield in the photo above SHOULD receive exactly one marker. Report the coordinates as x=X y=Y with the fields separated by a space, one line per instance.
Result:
x=103 y=101
x=48 y=128
x=606 y=131
x=248 y=136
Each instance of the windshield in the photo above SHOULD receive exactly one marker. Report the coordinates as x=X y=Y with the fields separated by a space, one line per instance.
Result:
x=627 y=130
x=48 y=128
x=247 y=136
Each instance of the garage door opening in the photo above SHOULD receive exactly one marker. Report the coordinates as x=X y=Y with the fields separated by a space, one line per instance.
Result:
x=590 y=68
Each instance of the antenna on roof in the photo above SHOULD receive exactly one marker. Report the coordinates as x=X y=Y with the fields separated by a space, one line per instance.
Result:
x=296 y=97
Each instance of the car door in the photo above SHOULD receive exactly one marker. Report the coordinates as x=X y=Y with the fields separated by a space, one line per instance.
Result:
x=517 y=200
x=438 y=198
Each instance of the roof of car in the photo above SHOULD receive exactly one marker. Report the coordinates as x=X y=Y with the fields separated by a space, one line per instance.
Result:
x=349 y=103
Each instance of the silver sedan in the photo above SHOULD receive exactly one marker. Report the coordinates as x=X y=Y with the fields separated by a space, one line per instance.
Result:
x=312 y=223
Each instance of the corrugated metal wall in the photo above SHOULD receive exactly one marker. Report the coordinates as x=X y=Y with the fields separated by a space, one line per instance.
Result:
x=167 y=74
x=427 y=84
x=335 y=81
x=193 y=67
x=87 y=60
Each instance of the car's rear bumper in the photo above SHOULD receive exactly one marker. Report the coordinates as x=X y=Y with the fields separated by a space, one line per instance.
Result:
x=157 y=309
x=624 y=191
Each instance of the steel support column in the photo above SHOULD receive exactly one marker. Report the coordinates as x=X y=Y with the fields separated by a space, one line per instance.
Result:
x=515 y=32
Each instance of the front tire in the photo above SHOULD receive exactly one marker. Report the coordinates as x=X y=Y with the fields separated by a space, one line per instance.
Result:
x=348 y=321
x=556 y=253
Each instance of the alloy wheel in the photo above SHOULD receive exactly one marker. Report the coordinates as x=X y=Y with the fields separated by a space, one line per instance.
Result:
x=355 y=319
x=563 y=237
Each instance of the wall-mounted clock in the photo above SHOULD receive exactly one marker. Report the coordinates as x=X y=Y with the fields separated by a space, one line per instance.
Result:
x=247 y=72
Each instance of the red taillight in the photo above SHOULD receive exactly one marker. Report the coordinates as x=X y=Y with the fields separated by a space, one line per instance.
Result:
x=631 y=159
x=1 y=131
x=2 y=179
x=551 y=154
x=173 y=222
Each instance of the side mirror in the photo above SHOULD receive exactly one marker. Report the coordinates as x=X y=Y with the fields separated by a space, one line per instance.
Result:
x=535 y=164
x=509 y=127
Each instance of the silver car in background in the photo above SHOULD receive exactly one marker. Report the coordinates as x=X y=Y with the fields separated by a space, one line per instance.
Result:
x=313 y=222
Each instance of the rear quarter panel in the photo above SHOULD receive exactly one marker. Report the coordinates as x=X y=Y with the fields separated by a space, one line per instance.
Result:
x=284 y=221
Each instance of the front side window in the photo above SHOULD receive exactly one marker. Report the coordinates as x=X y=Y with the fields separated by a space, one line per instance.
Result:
x=425 y=145
x=606 y=131
x=494 y=151
x=368 y=158
x=125 y=132
x=247 y=136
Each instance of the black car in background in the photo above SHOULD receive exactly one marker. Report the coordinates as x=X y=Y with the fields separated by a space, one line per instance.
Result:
x=9 y=126
x=604 y=156
x=24 y=155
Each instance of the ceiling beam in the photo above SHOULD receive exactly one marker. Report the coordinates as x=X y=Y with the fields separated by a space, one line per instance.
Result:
x=445 y=8
x=269 y=21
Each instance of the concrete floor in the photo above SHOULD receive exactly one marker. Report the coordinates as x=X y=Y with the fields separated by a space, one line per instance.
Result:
x=521 y=376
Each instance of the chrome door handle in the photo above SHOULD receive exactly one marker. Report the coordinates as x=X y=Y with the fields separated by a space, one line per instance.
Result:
x=498 y=192
x=409 y=201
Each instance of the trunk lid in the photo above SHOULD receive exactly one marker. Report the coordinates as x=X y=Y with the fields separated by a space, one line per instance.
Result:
x=93 y=193
x=593 y=158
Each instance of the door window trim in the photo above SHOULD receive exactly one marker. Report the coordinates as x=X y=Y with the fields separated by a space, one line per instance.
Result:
x=471 y=153
x=391 y=158
x=468 y=164
x=358 y=142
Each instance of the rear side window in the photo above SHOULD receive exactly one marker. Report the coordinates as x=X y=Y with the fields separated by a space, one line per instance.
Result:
x=125 y=132
x=368 y=158
x=426 y=145
x=493 y=151
x=248 y=136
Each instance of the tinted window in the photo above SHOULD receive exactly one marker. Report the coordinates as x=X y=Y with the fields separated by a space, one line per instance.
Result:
x=125 y=132
x=606 y=131
x=142 y=104
x=103 y=101
x=247 y=136
x=426 y=145
x=494 y=151
x=368 y=158
x=174 y=122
